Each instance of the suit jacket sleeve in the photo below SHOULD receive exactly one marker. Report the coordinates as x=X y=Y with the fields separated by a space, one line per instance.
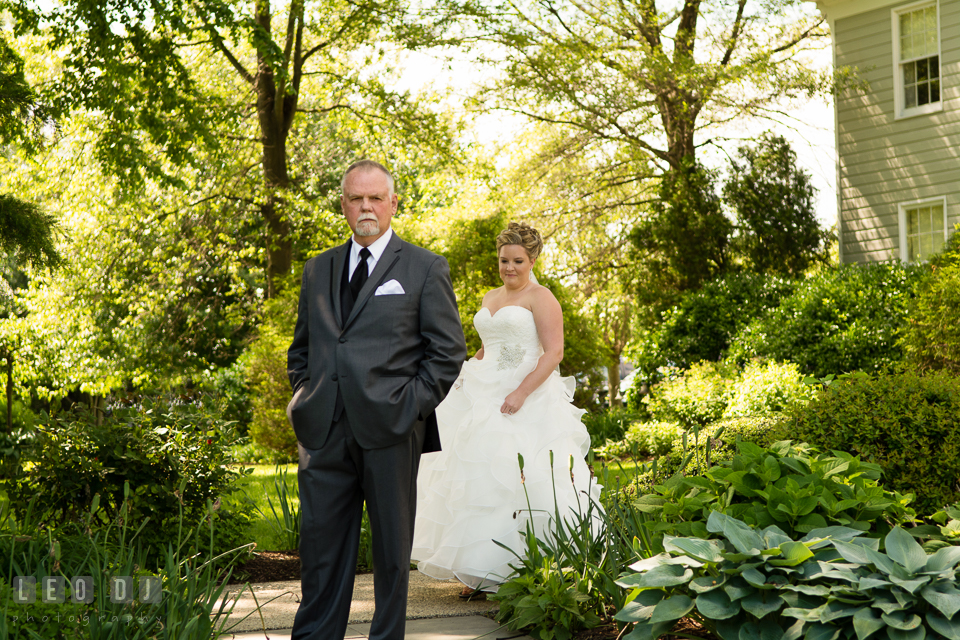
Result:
x=442 y=333
x=299 y=351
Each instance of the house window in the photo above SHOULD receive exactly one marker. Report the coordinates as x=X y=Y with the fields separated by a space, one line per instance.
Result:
x=918 y=59
x=922 y=229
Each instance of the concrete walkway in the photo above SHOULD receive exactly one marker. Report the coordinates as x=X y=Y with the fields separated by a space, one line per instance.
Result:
x=434 y=611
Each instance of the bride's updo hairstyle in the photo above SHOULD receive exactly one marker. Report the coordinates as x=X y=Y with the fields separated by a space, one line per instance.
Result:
x=524 y=235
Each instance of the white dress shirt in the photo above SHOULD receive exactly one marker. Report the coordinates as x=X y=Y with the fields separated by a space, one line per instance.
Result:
x=376 y=250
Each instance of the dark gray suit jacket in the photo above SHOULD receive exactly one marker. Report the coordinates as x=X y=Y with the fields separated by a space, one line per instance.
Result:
x=394 y=359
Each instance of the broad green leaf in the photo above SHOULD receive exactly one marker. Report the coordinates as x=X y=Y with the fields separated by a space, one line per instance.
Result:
x=903 y=620
x=635 y=612
x=851 y=552
x=887 y=565
x=905 y=550
x=913 y=634
x=795 y=631
x=773 y=536
x=729 y=629
x=738 y=588
x=716 y=605
x=836 y=610
x=770 y=630
x=946 y=558
x=866 y=622
x=741 y=536
x=664 y=559
x=872 y=583
x=910 y=585
x=793 y=554
x=706 y=583
x=756 y=578
x=844 y=534
x=648 y=631
x=673 y=608
x=661 y=576
x=759 y=606
x=944 y=626
x=807 y=615
x=944 y=596
x=701 y=550
x=820 y=631
x=810 y=589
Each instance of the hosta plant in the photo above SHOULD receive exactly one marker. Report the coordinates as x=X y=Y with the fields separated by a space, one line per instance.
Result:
x=833 y=584
x=788 y=485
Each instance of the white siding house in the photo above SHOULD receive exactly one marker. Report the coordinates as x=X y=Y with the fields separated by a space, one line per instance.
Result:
x=898 y=142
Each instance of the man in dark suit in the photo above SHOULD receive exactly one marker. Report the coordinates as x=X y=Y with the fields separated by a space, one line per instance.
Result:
x=377 y=344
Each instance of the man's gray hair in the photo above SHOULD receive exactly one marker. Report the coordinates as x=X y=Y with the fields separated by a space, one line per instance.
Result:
x=367 y=165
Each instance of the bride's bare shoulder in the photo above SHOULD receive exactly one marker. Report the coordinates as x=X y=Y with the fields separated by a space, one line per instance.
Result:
x=542 y=295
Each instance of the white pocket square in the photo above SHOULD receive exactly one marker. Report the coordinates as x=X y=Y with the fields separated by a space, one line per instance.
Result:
x=391 y=288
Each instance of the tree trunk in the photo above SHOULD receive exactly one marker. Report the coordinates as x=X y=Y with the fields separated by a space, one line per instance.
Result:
x=275 y=111
x=9 y=355
x=613 y=383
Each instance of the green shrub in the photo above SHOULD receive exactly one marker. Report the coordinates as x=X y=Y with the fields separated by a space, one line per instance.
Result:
x=609 y=425
x=266 y=366
x=566 y=582
x=931 y=335
x=692 y=398
x=711 y=391
x=791 y=486
x=252 y=453
x=174 y=456
x=840 y=320
x=906 y=422
x=643 y=440
x=831 y=584
x=766 y=387
x=706 y=320
x=229 y=386
x=192 y=582
x=695 y=451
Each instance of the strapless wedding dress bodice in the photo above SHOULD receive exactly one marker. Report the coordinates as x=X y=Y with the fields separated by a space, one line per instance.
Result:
x=471 y=493
x=509 y=336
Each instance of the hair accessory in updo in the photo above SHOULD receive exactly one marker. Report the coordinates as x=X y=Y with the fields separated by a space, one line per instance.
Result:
x=524 y=235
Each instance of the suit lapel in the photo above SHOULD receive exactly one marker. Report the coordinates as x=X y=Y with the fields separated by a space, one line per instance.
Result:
x=339 y=264
x=389 y=258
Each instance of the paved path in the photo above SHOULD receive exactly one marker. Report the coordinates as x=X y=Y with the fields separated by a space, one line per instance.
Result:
x=434 y=611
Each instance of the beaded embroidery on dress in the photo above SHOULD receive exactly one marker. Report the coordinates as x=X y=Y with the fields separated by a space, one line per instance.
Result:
x=470 y=493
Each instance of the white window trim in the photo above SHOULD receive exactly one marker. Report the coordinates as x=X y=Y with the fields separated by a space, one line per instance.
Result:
x=899 y=112
x=902 y=216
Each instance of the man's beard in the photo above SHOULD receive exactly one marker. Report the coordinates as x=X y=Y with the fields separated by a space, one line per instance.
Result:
x=367 y=227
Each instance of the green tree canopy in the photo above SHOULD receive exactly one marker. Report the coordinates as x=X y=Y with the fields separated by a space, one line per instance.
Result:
x=773 y=198
x=26 y=232
x=172 y=82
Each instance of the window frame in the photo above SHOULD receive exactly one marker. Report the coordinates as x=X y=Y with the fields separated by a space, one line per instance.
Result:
x=899 y=110
x=902 y=221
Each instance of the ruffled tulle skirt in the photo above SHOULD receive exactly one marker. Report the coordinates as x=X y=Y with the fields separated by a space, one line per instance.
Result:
x=472 y=494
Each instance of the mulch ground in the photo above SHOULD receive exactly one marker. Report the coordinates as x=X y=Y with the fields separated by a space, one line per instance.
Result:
x=268 y=566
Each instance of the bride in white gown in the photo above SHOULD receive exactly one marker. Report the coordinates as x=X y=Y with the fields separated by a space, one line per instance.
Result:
x=510 y=399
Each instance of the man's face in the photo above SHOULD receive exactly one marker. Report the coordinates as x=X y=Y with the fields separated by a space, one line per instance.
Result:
x=368 y=204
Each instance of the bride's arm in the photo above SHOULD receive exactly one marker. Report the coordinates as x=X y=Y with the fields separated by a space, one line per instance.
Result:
x=479 y=355
x=549 y=320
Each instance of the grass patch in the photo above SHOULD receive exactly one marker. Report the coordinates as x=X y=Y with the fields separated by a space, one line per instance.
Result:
x=610 y=474
x=255 y=487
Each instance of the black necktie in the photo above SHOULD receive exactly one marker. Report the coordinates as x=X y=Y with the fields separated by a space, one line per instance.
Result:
x=360 y=274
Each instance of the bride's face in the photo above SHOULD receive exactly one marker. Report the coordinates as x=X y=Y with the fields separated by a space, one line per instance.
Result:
x=515 y=265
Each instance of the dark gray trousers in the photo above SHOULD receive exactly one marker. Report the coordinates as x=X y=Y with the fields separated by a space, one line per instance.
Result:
x=334 y=482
